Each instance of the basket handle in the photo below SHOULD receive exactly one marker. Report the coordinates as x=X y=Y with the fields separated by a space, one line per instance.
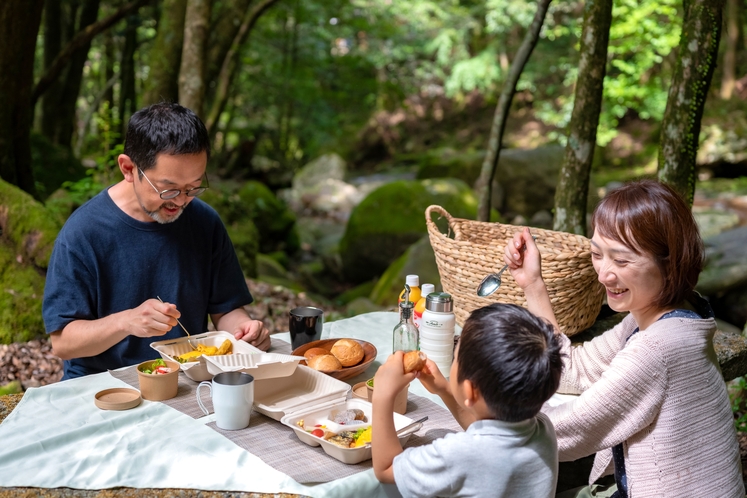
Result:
x=443 y=214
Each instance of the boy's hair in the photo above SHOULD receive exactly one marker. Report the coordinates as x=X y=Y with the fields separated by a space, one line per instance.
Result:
x=513 y=358
x=164 y=128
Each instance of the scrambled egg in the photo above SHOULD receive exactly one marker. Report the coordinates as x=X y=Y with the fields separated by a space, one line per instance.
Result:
x=225 y=348
x=364 y=438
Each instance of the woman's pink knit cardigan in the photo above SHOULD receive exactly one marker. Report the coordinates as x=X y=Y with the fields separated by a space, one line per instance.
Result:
x=662 y=394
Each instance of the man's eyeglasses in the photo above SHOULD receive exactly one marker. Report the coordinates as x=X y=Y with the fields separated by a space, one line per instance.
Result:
x=174 y=193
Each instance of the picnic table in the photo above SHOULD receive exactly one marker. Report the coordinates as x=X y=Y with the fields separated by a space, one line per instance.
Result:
x=57 y=439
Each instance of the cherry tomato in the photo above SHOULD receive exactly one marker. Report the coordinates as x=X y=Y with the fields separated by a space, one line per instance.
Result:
x=317 y=433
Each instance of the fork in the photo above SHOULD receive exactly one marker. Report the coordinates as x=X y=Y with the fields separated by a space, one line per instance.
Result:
x=189 y=341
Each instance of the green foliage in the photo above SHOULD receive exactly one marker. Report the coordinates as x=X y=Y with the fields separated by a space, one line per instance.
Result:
x=738 y=403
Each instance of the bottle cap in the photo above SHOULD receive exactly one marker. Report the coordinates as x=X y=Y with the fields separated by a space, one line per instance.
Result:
x=439 y=302
x=426 y=289
x=412 y=280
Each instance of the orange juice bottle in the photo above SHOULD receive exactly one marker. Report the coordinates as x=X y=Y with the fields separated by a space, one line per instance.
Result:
x=414 y=282
x=420 y=304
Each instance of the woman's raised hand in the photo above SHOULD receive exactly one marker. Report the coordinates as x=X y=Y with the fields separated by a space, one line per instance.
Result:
x=523 y=259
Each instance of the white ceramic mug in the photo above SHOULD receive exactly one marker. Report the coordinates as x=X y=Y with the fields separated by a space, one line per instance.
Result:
x=233 y=396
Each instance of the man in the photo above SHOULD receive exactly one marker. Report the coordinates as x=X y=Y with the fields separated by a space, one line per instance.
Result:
x=143 y=238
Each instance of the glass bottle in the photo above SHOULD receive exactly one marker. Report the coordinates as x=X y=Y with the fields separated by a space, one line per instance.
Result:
x=405 y=334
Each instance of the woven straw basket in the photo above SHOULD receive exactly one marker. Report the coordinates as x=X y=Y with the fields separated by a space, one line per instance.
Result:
x=476 y=249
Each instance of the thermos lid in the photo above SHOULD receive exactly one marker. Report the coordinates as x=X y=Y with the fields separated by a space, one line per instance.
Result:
x=439 y=302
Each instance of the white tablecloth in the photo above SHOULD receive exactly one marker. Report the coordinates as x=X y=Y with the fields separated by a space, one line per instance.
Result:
x=57 y=437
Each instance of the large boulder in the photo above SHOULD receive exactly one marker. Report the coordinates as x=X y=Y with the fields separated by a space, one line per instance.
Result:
x=524 y=182
x=27 y=234
x=324 y=167
x=392 y=217
x=726 y=262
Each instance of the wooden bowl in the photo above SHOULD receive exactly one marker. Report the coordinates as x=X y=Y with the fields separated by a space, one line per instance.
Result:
x=369 y=355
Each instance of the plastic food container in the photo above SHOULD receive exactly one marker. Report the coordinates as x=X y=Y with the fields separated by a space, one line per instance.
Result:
x=197 y=370
x=304 y=389
x=321 y=415
x=260 y=366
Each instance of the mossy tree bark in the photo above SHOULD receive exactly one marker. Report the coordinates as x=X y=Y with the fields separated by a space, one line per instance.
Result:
x=166 y=54
x=192 y=69
x=495 y=141
x=19 y=25
x=680 y=126
x=573 y=184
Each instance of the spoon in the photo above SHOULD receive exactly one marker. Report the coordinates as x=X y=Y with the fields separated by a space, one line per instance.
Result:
x=184 y=329
x=492 y=281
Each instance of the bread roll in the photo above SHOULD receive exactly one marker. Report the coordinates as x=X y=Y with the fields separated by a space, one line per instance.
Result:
x=414 y=361
x=324 y=362
x=348 y=351
x=314 y=352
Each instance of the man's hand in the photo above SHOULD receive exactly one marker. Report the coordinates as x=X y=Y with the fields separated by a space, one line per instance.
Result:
x=254 y=332
x=151 y=319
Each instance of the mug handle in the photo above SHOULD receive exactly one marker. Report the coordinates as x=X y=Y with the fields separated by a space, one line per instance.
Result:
x=199 y=401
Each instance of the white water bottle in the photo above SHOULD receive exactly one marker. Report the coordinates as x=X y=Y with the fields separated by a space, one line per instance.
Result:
x=437 y=330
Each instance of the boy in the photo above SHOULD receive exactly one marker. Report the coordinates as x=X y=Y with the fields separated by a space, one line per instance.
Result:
x=506 y=365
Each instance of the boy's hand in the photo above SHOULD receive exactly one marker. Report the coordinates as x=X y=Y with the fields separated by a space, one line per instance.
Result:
x=391 y=378
x=433 y=380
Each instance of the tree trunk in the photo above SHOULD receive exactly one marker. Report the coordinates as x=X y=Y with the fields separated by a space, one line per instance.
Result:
x=83 y=37
x=65 y=113
x=228 y=68
x=192 y=70
x=53 y=20
x=127 y=94
x=166 y=55
x=729 y=75
x=490 y=164
x=19 y=25
x=680 y=126
x=573 y=184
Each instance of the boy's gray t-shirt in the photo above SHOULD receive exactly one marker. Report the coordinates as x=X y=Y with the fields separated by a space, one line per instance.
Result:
x=491 y=458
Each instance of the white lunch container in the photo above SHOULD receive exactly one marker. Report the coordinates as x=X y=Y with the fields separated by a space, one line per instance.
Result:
x=197 y=370
x=313 y=415
x=260 y=366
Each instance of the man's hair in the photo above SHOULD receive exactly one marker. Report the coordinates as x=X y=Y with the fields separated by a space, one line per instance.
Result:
x=513 y=358
x=164 y=128
x=652 y=219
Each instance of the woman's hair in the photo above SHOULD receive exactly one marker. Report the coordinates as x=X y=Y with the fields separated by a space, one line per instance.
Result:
x=512 y=357
x=651 y=218
x=164 y=128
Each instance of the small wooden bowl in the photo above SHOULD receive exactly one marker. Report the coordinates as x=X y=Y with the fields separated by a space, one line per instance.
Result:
x=369 y=355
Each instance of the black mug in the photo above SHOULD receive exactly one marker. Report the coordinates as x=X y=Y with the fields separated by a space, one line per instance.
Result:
x=305 y=325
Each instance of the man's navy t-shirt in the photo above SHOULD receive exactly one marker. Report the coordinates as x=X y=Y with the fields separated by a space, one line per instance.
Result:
x=104 y=262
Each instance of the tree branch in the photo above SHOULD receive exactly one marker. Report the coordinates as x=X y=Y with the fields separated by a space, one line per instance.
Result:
x=80 y=40
x=229 y=62
x=490 y=164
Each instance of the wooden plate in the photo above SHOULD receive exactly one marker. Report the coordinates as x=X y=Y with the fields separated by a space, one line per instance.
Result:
x=369 y=355
x=118 y=398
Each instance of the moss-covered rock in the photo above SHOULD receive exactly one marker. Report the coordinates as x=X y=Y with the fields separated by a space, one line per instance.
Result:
x=27 y=234
x=245 y=238
x=52 y=165
x=275 y=222
x=419 y=260
x=392 y=217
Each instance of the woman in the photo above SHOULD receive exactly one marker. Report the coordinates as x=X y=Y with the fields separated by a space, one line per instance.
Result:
x=650 y=390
